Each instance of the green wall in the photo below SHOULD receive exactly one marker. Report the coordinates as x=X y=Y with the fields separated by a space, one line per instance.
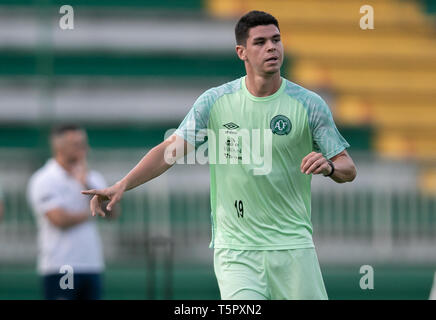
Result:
x=391 y=282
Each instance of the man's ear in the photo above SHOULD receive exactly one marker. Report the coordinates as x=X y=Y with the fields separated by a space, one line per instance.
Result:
x=240 y=51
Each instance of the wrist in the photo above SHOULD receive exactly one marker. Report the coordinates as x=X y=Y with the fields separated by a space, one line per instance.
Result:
x=332 y=168
x=122 y=184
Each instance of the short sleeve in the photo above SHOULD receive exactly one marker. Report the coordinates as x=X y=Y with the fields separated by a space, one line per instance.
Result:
x=325 y=135
x=44 y=197
x=194 y=127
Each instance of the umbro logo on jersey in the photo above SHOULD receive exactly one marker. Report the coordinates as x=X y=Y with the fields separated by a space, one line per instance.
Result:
x=280 y=125
x=231 y=126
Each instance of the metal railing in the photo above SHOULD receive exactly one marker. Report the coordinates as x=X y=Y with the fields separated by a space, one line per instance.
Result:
x=348 y=224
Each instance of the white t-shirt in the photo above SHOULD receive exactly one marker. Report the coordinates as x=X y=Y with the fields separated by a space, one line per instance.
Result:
x=79 y=246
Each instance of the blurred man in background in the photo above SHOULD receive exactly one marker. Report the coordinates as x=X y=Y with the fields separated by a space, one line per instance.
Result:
x=1 y=204
x=67 y=237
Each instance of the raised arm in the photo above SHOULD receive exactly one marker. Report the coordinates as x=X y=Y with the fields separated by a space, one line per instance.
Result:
x=153 y=164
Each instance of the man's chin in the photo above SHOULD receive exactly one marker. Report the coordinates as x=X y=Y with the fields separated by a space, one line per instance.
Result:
x=271 y=71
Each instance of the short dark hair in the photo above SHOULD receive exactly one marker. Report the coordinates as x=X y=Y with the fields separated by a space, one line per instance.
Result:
x=250 y=20
x=61 y=129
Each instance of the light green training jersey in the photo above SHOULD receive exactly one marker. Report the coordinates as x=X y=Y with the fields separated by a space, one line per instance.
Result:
x=260 y=200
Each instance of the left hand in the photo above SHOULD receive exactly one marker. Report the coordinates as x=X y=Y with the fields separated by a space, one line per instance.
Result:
x=113 y=193
x=315 y=163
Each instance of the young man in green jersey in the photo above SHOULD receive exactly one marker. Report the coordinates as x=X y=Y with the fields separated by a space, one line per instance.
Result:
x=261 y=204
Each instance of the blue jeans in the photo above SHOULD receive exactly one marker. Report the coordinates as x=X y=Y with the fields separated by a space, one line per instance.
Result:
x=87 y=286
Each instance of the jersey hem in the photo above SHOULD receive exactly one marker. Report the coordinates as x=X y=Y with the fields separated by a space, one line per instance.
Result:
x=265 y=247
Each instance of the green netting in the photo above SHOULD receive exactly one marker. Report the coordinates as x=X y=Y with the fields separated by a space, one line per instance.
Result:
x=359 y=137
x=128 y=136
x=113 y=64
x=430 y=6
x=99 y=136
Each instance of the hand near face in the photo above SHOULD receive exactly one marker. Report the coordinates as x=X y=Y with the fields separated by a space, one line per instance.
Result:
x=80 y=171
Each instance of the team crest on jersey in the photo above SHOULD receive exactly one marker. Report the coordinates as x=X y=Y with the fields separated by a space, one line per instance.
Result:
x=281 y=125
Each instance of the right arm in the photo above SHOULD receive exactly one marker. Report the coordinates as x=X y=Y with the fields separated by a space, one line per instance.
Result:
x=160 y=158
x=153 y=164
x=64 y=220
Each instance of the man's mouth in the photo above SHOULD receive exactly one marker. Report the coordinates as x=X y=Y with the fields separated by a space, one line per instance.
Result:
x=272 y=59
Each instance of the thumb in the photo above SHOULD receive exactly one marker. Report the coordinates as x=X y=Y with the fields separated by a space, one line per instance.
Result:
x=113 y=201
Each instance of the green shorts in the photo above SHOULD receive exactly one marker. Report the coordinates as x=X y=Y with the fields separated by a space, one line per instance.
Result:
x=263 y=274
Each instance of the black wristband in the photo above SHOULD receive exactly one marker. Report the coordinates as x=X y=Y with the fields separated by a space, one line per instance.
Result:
x=330 y=162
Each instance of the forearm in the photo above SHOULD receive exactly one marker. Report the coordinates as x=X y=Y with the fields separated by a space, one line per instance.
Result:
x=73 y=220
x=152 y=165
x=345 y=171
x=64 y=220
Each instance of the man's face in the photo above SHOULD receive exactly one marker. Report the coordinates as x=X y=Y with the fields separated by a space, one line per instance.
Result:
x=73 y=145
x=263 y=50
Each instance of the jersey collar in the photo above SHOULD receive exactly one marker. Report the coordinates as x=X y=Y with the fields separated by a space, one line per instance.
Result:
x=267 y=98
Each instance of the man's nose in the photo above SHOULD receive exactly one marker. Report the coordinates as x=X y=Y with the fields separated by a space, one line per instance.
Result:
x=271 y=50
x=271 y=46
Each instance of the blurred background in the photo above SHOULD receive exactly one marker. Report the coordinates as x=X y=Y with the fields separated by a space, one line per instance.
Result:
x=131 y=69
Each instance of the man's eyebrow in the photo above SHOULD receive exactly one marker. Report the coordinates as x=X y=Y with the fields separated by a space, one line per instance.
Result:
x=277 y=35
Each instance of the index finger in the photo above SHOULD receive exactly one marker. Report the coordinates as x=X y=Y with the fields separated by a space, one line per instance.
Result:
x=93 y=192
x=310 y=161
x=306 y=158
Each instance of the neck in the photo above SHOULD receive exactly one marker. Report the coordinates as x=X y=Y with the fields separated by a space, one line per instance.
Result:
x=263 y=86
